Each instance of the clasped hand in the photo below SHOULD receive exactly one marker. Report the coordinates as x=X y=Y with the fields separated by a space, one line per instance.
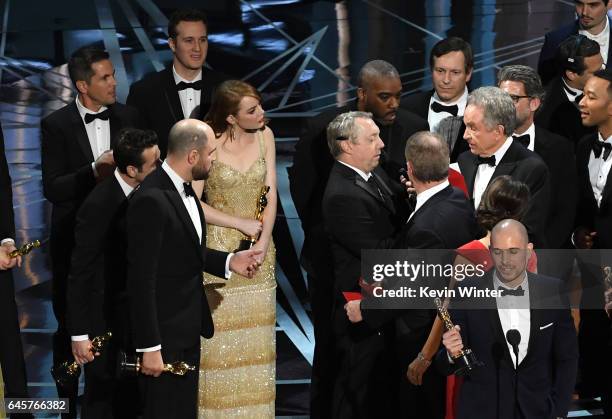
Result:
x=246 y=262
x=7 y=262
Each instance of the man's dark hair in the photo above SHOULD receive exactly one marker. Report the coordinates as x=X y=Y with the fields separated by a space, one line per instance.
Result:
x=523 y=74
x=185 y=15
x=130 y=145
x=451 y=44
x=605 y=74
x=79 y=65
x=572 y=52
x=605 y=2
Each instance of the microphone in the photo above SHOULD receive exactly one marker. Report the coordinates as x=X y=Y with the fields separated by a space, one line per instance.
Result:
x=513 y=337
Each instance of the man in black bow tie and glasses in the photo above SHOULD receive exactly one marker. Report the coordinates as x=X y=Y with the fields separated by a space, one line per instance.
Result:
x=76 y=143
x=490 y=117
x=523 y=85
x=451 y=62
x=167 y=96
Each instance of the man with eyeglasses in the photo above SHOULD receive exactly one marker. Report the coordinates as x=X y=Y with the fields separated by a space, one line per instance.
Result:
x=523 y=85
x=592 y=22
x=578 y=58
x=594 y=228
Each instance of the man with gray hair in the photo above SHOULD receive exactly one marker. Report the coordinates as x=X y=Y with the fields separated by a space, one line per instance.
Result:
x=359 y=213
x=490 y=120
x=523 y=85
x=166 y=256
x=378 y=91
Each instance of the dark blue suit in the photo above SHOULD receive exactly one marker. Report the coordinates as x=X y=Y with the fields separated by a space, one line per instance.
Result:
x=546 y=375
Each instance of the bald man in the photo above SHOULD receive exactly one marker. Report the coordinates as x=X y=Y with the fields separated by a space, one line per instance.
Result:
x=166 y=256
x=547 y=350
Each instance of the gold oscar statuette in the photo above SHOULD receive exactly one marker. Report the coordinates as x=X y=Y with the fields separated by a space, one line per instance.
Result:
x=24 y=249
x=131 y=366
x=67 y=371
x=262 y=202
x=465 y=361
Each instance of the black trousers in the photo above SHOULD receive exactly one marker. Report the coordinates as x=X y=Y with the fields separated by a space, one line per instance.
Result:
x=171 y=396
x=11 y=350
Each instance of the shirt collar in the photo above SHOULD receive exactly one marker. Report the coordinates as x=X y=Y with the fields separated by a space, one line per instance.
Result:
x=570 y=92
x=461 y=102
x=176 y=179
x=607 y=140
x=178 y=78
x=499 y=154
x=360 y=172
x=83 y=110
x=125 y=187
x=524 y=284
x=426 y=195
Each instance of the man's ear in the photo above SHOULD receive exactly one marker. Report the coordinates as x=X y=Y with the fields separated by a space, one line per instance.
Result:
x=131 y=171
x=534 y=104
x=192 y=157
x=468 y=76
x=82 y=86
x=172 y=44
x=361 y=94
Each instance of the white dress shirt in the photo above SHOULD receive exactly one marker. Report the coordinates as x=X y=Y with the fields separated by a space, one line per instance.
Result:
x=484 y=172
x=190 y=98
x=570 y=92
x=514 y=313
x=192 y=209
x=598 y=171
x=127 y=189
x=98 y=131
x=434 y=118
x=424 y=196
x=602 y=38
x=531 y=132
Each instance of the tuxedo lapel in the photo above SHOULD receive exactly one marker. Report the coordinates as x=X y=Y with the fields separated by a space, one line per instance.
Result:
x=172 y=97
x=495 y=323
x=469 y=173
x=534 y=316
x=177 y=202
x=80 y=133
x=368 y=187
x=507 y=163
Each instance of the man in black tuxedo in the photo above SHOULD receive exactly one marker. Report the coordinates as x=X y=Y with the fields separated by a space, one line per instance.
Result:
x=523 y=85
x=360 y=213
x=594 y=228
x=76 y=153
x=490 y=118
x=169 y=310
x=172 y=94
x=11 y=351
x=577 y=59
x=97 y=300
x=593 y=22
x=441 y=219
x=378 y=92
x=532 y=305
x=451 y=62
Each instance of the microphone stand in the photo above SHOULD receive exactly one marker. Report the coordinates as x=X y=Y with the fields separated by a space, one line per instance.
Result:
x=514 y=338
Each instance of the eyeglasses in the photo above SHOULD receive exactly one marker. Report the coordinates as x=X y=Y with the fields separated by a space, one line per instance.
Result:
x=516 y=98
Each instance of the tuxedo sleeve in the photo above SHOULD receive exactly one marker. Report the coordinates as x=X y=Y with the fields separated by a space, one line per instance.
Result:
x=215 y=262
x=7 y=217
x=145 y=226
x=59 y=183
x=350 y=224
x=565 y=361
x=92 y=224
x=538 y=210
x=136 y=99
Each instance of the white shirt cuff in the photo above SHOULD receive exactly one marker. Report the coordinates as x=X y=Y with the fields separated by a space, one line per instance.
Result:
x=79 y=338
x=7 y=241
x=151 y=349
x=93 y=167
x=228 y=273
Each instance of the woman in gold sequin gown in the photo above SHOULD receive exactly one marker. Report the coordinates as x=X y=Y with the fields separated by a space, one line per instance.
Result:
x=238 y=365
x=2 y=413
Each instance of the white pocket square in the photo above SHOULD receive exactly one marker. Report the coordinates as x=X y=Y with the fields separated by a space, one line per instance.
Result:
x=546 y=326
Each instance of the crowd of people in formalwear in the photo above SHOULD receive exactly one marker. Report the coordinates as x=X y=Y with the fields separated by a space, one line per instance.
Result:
x=151 y=201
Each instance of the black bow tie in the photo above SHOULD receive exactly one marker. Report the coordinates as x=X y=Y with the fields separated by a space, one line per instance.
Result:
x=437 y=107
x=523 y=139
x=188 y=189
x=599 y=146
x=486 y=160
x=196 y=85
x=104 y=115
x=519 y=292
